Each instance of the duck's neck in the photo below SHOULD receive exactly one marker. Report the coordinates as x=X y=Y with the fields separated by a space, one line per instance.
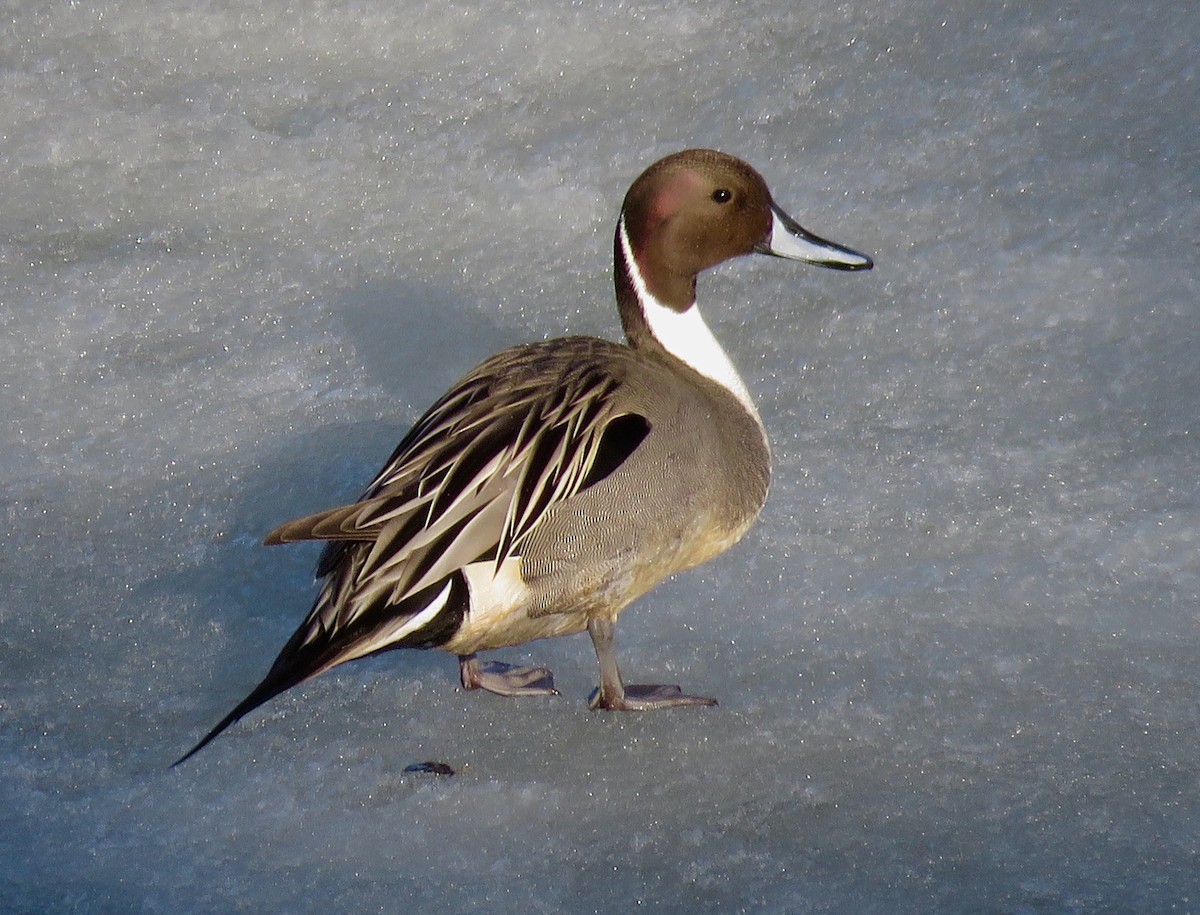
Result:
x=675 y=328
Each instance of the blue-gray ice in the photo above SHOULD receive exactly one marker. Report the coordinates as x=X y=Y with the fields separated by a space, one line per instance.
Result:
x=244 y=244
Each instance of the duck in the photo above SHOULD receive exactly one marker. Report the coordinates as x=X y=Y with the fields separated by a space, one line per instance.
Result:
x=559 y=481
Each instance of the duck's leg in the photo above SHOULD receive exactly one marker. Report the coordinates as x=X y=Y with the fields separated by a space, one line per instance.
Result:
x=505 y=679
x=615 y=695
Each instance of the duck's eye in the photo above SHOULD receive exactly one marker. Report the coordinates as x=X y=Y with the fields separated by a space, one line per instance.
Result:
x=721 y=195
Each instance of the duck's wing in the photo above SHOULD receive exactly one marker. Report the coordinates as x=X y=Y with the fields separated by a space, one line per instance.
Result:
x=475 y=476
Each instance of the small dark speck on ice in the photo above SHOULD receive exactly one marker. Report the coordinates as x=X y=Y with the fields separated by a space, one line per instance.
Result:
x=435 y=768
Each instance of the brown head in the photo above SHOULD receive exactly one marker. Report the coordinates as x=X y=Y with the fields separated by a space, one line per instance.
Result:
x=694 y=209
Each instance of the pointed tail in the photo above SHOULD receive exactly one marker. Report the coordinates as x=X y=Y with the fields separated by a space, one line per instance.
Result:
x=427 y=619
x=272 y=685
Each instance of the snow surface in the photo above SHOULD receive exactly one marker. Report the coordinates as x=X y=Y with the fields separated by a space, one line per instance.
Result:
x=244 y=244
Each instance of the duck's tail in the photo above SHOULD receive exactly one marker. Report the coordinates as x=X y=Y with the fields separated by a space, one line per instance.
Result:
x=272 y=685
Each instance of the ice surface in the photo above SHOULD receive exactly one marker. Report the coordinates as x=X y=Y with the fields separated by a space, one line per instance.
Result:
x=242 y=245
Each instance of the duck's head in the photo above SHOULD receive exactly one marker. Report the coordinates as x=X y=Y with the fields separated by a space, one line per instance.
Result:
x=696 y=208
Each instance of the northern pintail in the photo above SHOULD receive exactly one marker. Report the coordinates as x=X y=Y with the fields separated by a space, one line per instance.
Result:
x=559 y=481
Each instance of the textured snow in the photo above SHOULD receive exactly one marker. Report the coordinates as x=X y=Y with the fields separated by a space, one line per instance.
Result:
x=243 y=245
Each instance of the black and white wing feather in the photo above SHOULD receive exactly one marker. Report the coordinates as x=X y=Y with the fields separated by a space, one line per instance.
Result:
x=475 y=476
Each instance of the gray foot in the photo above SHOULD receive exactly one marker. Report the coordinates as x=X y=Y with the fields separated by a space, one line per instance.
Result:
x=615 y=695
x=645 y=697
x=505 y=679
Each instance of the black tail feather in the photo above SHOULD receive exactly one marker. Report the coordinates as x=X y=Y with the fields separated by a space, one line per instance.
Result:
x=309 y=654
x=271 y=686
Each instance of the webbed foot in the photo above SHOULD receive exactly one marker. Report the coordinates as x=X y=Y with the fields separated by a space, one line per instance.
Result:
x=505 y=679
x=645 y=697
x=614 y=695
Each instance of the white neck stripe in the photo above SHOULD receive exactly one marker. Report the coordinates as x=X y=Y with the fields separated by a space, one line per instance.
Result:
x=684 y=334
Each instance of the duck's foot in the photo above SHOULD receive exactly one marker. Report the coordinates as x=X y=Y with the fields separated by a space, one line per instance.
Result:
x=645 y=697
x=613 y=694
x=505 y=679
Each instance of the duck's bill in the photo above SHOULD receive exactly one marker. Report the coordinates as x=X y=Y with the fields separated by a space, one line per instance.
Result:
x=791 y=240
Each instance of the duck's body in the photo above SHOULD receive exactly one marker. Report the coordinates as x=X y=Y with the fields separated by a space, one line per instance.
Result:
x=587 y=553
x=559 y=481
